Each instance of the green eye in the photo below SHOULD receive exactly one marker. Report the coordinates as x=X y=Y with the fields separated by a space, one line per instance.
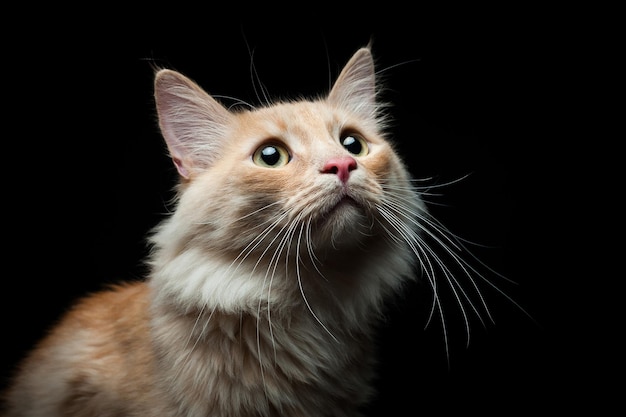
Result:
x=355 y=144
x=271 y=156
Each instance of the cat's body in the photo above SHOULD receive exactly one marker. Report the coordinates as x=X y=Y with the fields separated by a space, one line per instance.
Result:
x=295 y=222
x=112 y=356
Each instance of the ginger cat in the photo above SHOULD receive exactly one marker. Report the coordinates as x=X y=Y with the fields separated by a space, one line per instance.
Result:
x=294 y=224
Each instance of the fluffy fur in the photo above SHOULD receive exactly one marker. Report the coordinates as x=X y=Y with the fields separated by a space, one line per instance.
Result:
x=294 y=223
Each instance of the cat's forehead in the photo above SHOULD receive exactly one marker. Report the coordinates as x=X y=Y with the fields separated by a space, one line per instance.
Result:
x=301 y=120
x=293 y=115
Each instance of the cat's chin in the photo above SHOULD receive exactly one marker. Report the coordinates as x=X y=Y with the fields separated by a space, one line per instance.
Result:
x=343 y=223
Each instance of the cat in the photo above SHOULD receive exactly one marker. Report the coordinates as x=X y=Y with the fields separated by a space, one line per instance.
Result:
x=294 y=224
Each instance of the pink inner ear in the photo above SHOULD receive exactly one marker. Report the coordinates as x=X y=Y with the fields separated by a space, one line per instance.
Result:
x=180 y=167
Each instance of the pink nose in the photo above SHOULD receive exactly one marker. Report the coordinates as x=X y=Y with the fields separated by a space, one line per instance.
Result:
x=340 y=166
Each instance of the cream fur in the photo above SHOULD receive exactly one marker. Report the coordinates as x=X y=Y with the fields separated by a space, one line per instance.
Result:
x=266 y=284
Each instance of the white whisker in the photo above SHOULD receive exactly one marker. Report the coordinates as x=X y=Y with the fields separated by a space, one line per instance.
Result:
x=190 y=350
x=427 y=227
x=236 y=101
x=310 y=251
x=256 y=242
x=407 y=236
x=265 y=207
x=299 y=278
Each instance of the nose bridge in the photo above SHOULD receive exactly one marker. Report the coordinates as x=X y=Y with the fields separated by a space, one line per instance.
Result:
x=332 y=157
x=316 y=132
x=324 y=147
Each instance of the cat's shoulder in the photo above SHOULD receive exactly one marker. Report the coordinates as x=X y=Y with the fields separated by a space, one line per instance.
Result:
x=117 y=306
x=116 y=298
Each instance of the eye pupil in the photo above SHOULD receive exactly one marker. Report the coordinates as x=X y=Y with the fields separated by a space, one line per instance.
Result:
x=352 y=145
x=270 y=155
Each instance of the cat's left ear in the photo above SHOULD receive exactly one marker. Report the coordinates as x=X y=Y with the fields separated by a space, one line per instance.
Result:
x=355 y=88
x=192 y=122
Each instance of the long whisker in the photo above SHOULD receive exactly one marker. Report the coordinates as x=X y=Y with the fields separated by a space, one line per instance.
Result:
x=265 y=207
x=408 y=237
x=423 y=225
x=299 y=278
x=431 y=226
x=256 y=242
x=413 y=225
x=431 y=184
x=190 y=350
x=309 y=249
x=273 y=265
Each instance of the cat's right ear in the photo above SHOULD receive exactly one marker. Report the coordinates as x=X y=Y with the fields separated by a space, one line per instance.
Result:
x=191 y=121
x=355 y=88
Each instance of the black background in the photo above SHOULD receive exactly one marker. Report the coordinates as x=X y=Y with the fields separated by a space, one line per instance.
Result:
x=479 y=92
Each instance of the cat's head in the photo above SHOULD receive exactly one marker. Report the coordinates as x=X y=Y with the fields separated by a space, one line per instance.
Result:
x=306 y=193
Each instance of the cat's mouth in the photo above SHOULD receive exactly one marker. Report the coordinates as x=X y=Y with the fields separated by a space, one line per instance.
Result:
x=343 y=203
x=341 y=224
